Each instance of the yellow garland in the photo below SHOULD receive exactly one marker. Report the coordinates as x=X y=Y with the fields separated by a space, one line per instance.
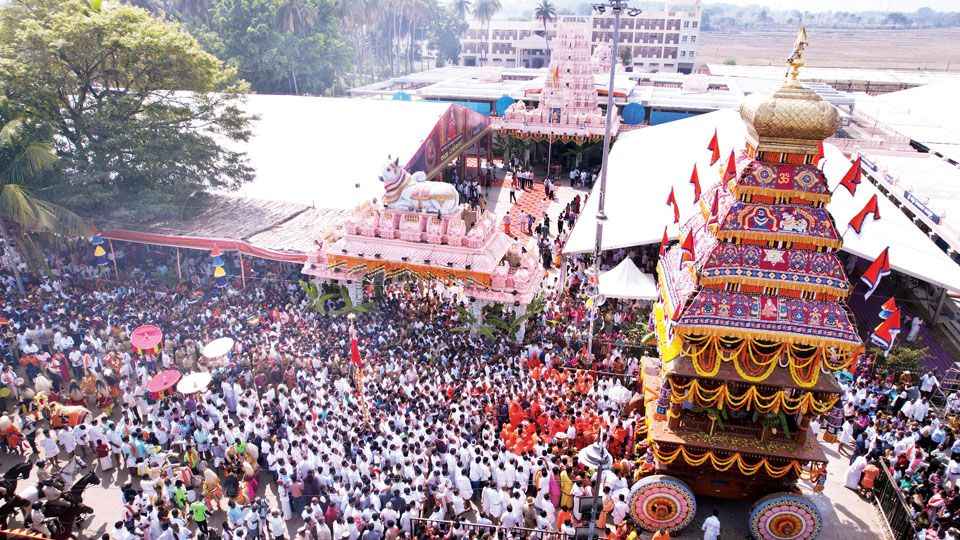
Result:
x=723 y=464
x=752 y=397
x=784 y=355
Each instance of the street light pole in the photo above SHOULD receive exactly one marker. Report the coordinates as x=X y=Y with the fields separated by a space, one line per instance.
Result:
x=617 y=6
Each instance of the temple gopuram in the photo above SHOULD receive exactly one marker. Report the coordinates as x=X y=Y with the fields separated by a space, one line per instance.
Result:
x=751 y=324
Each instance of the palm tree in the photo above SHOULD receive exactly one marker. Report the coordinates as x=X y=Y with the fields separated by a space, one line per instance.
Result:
x=194 y=10
x=484 y=10
x=545 y=13
x=26 y=152
x=461 y=8
x=295 y=17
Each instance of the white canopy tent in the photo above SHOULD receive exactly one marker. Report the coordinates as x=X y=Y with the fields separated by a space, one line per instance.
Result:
x=646 y=163
x=627 y=281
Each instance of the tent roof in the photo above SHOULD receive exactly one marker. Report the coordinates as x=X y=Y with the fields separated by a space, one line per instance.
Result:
x=644 y=165
x=627 y=281
x=313 y=150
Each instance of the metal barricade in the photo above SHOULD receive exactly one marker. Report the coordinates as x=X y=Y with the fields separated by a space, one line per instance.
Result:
x=893 y=507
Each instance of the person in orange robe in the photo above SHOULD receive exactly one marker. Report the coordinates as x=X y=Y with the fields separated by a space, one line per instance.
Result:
x=563 y=515
x=516 y=413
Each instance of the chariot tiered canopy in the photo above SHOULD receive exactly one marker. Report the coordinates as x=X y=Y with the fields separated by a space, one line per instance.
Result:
x=568 y=109
x=751 y=321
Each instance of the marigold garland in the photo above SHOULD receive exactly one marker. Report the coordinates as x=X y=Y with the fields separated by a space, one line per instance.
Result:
x=750 y=398
x=724 y=464
x=756 y=366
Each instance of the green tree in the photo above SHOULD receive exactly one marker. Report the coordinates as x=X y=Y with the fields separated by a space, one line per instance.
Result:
x=26 y=153
x=461 y=8
x=626 y=56
x=484 y=11
x=140 y=112
x=444 y=36
x=545 y=13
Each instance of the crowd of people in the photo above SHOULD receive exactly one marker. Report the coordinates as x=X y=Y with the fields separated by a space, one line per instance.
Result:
x=444 y=426
x=889 y=423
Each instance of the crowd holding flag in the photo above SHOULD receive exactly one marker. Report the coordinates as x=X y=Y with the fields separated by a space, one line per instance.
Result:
x=886 y=332
x=714 y=147
x=676 y=209
x=851 y=180
x=873 y=275
x=695 y=180
x=856 y=222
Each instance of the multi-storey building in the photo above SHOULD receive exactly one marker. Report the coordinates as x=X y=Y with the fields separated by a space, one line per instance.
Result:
x=663 y=40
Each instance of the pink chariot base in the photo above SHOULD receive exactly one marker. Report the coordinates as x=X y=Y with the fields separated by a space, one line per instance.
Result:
x=463 y=246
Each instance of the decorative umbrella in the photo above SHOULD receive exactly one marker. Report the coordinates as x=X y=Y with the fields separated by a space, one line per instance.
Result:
x=218 y=271
x=218 y=347
x=159 y=386
x=193 y=383
x=146 y=339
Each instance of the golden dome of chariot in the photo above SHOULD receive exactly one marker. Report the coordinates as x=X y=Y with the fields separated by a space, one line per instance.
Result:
x=792 y=118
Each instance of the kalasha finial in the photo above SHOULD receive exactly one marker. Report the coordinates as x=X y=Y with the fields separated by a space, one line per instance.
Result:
x=796 y=59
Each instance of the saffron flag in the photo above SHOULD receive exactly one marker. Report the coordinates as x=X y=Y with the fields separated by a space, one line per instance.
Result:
x=873 y=275
x=730 y=172
x=852 y=179
x=886 y=332
x=675 y=316
x=695 y=180
x=819 y=156
x=714 y=218
x=856 y=222
x=354 y=348
x=676 y=209
x=888 y=308
x=714 y=147
x=686 y=251
x=664 y=243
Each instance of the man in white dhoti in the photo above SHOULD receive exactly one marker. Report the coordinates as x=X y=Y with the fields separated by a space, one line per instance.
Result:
x=852 y=478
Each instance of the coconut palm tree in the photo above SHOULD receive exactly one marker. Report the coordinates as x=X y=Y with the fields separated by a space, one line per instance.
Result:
x=26 y=152
x=295 y=17
x=484 y=11
x=545 y=13
x=461 y=8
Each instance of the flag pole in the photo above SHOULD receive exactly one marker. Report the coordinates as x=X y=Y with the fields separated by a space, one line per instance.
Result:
x=358 y=375
x=116 y=271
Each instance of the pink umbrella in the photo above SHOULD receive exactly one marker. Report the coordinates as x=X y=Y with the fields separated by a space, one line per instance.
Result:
x=146 y=339
x=160 y=385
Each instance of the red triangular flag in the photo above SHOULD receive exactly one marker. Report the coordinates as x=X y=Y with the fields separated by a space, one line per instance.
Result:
x=873 y=275
x=856 y=222
x=715 y=209
x=888 y=308
x=687 y=255
x=676 y=209
x=354 y=348
x=887 y=331
x=819 y=156
x=695 y=180
x=852 y=179
x=714 y=147
x=664 y=243
x=730 y=172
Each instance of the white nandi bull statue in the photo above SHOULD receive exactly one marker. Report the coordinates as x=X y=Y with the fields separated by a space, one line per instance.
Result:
x=412 y=193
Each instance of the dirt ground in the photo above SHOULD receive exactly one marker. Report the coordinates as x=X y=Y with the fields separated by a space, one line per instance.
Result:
x=933 y=49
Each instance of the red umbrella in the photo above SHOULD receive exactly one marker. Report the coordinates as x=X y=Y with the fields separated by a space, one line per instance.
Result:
x=146 y=339
x=160 y=385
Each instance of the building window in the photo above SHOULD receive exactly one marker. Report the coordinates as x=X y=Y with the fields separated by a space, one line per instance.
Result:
x=686 y=24
x=693 y=39
x=683 y=53
x=694 y=24
x=692 y=54
x=684 y=39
